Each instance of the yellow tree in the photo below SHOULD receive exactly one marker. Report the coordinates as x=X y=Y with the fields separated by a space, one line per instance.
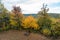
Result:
x=30 y=22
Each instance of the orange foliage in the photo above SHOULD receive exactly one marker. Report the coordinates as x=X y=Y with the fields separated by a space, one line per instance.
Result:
x=30 y=22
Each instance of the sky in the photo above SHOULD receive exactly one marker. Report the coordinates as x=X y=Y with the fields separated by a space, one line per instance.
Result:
x=33 y=6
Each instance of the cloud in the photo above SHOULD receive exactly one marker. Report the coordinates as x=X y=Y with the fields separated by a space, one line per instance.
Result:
x=49 y=1
x=33 y=6
x=54 y=10
x=10 y=0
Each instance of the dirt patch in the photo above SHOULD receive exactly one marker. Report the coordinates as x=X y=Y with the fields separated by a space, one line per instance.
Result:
x=19 y=35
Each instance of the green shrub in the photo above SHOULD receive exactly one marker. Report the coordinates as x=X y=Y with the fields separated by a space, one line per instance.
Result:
x=55 y=28
x=6 y=28
x=46 y=32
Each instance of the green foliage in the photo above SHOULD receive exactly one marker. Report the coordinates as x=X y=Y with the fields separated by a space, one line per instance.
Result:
x=44 y=22
x=55 y=28
x=46 y=32
x=4 y=17
x=44 y=17
x=15 y=20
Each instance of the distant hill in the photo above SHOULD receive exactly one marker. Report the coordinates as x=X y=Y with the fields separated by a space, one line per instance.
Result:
x=55 y=15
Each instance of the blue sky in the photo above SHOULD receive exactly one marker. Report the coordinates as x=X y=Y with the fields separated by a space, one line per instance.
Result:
x=33 y=6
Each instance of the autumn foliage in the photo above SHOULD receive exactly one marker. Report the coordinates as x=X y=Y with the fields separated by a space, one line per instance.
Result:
x=30 y=22
x=43 y=23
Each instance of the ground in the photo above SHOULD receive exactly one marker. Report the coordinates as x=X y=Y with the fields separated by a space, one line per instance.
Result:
x=19 y=35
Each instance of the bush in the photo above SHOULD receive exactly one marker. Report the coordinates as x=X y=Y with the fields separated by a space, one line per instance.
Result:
x=30 y=22
x=46 y=32
x=55 y=28
x=6 y=28
x=1 y=29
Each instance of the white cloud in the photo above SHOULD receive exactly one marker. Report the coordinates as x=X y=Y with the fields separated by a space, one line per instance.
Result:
x=55 y=10
x=33 y=6
x=52 y=1
x=9 y=0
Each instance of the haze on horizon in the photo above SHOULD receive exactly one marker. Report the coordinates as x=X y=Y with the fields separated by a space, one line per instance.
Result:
x=33 y=6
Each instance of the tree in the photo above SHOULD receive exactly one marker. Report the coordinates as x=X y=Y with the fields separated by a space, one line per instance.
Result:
x=4 y=17
x=43 y=19
x=30 y=22
x=16 y=17
x=43 y=11
x=1 y=7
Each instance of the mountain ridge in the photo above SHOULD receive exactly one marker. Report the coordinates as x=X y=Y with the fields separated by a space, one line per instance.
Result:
x=55 y=15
